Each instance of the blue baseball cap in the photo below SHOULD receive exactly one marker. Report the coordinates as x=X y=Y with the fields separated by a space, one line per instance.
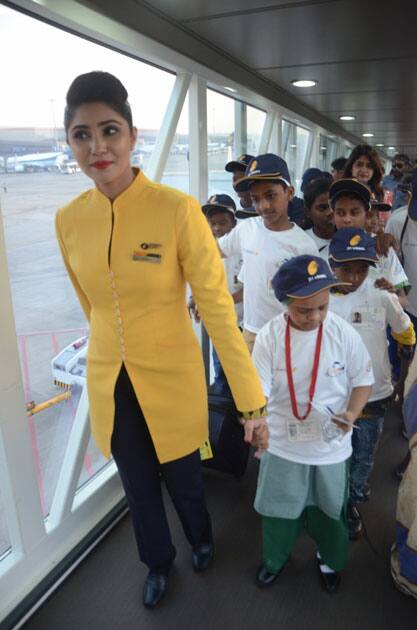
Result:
x=310 y=176
x=412 y=206
x=240 y=164
x=381 y=206
x=349 y=244
x=246 y=213
x=266 y=167
x=350 y=186
x=303 y=276
x=219 y=203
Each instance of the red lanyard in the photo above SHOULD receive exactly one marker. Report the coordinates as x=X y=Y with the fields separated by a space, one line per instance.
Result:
x=314 y=372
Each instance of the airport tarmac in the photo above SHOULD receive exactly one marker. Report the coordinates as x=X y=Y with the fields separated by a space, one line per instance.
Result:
x=47 y=314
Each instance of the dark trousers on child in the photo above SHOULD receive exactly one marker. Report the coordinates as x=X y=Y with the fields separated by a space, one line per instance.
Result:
x=364 y=444
x=141 y=474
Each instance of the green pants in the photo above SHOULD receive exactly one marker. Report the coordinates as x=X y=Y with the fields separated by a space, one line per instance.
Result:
x=280 y=535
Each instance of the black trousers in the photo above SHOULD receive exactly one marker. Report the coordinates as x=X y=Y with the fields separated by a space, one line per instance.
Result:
x=141 y=475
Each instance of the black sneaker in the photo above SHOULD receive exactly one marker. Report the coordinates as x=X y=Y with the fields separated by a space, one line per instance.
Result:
x=264 y=577
x=354 y=520
x=329 y=581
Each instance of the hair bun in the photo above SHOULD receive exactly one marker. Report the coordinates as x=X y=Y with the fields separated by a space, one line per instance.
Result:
x=96 y=86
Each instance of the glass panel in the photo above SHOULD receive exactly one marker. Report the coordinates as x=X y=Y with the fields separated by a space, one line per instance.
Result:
x=327 y=152
x=255 y=124
x=289 y=147
x=220 y=130
x=302 y=145
x=4 y=533
x=94 y=461
x=177 y=169
x=40 y=176
x=323 y=153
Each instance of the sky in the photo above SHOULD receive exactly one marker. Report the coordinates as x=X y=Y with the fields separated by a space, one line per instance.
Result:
x=41 y=61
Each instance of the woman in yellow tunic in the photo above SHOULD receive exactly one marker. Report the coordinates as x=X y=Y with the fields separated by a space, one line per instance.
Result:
x=130 y=245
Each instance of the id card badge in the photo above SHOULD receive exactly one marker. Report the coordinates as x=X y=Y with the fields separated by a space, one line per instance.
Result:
x=368 y=318
x=205 y=451
x=305 y=431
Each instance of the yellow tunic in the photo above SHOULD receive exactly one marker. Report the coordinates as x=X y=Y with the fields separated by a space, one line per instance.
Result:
x=129 y=262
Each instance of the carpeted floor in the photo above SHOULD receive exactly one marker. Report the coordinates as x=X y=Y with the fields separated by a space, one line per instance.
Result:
x=104 y=593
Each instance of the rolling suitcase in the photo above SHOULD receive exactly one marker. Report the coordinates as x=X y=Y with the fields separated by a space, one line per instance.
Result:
x=230 y=451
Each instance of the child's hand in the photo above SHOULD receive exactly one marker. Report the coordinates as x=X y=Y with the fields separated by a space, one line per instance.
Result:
x=256 y=432
x=398 y=393
x=382 y=283
x=383 y=242
x=349 y=417
x=193 y=310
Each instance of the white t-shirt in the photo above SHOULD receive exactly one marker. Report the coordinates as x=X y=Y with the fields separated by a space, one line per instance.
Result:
x=344 y=364
x=322 y=243
x=233 y=266
x=263 y=252
x=369 y=310
x=409 y=249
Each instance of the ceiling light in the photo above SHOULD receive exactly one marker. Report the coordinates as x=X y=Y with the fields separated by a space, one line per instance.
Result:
x=293 y=146
x=230 y=89
x=368 y=135
x=391 y=148
x=347 y=117
x=379 y=145
x=323 y=148
x=304 y=83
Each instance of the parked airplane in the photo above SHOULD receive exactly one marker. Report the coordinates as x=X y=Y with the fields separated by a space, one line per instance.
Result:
x=33 y=162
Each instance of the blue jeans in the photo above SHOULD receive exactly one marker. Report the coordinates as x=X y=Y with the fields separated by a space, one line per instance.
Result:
x=221 y=386
x=364 y=443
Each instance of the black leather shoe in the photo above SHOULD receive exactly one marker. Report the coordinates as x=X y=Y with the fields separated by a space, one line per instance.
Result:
x=329 y=581
x=202 y=556
x=265 y=578
x=155 y=587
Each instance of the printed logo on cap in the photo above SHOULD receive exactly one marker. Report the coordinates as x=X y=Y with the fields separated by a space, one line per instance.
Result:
x=240 y=158
x=312 y=268
x=355 y=240
x=253 y=166
x=213 y=199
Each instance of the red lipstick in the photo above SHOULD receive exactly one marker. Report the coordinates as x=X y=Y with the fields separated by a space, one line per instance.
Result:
x=101 y=164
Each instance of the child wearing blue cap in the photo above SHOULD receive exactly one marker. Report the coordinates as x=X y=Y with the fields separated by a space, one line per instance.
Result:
x=220 y=211
x=315 y=371
x=319 y=222
x=237 y=168
x=266 y=241
x=351 y=201
x=369 y=310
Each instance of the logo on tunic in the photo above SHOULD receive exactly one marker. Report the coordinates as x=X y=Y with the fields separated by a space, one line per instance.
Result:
x=312 y=268
x=150 y=245
x=355 y=240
